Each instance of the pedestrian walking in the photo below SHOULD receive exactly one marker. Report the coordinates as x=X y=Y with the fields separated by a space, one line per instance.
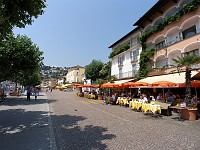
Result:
x=28 y=93
x=36 y=92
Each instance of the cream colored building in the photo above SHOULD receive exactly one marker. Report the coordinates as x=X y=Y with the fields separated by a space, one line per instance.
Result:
x=75 y=74
x=176 y=37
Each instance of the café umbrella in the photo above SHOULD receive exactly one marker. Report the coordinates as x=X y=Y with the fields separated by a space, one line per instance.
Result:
x=141 y=84
x=194 y=84
x=128 y=84
x=164 y=84
x=109 y=85
x=88 y=86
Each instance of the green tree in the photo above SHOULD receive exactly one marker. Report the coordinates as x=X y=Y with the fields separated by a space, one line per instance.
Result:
x=19 y=57
x=92 y=70
x=187 y=61
x=27 y=79
x=18 y=13
x=105 y=72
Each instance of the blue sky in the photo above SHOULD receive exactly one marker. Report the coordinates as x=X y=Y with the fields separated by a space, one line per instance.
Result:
x=74 y=32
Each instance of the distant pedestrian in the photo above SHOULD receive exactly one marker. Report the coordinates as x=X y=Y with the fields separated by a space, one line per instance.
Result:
x=28 y=93
x=36 y=92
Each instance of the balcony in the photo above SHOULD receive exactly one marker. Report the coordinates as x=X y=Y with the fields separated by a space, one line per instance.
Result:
x=129 y=74
x=177 y=44
x=163 y=70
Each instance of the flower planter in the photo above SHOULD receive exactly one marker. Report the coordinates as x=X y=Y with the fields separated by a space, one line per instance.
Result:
x=189 y=114
x=100 y=97
x=14 y=93
x=81 y=95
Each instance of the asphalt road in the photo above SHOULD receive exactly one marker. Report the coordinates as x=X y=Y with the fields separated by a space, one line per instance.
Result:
x=83 y=124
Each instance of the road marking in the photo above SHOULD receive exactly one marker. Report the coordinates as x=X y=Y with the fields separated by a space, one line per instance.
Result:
x=84 y=102
x=91 y=102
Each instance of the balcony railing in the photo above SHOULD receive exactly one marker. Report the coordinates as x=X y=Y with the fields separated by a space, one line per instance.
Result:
x=171 y=42
x=134 y=58
x=164 y=70
x=126 y=74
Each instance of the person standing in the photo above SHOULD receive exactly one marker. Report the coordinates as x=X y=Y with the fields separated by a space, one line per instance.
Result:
x=36 y=92
x=28 y=93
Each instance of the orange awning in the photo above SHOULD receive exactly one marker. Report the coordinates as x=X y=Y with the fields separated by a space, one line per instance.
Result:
x=109 y=85
x=88 y=86
x=141 y=84
x=128 y=84
x=194 y=83
x=164 y=84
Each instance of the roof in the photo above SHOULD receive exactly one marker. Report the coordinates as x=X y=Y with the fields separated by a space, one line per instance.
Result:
x=76 y=67
x=124 y=37
x=151 y=11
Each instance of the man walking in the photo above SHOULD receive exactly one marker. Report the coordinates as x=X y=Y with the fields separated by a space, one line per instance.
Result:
x=28 y=93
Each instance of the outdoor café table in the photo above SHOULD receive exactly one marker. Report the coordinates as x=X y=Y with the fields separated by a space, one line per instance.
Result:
x=91 y=96
x=119 y=101
x=125 y=101
x=151 y=107
x=155 y=108
x=130 y=103
x=146 y=107
x=136 y=105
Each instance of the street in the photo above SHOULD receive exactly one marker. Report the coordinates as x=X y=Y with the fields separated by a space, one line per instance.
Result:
x=84 y=124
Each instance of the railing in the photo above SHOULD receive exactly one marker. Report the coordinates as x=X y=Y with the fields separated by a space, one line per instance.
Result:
x=163 y=70
x=134 y=58
x=171 y=42
x=126 y=74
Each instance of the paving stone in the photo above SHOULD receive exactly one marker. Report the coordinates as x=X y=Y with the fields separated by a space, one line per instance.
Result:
x=84 y=124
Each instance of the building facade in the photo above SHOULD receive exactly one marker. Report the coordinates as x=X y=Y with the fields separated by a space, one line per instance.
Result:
x=125 y=63
x=75 y=74
x=168 y=30
x=173 y=28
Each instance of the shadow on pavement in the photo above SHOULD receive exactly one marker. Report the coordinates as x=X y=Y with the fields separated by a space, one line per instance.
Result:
x=23 y=130
x=69 y=135
x=14 y=101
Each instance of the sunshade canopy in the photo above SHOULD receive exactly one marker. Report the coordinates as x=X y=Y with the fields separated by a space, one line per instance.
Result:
x=175 y=78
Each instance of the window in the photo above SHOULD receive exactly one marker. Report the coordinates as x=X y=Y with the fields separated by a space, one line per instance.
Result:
x=134 y=55
x=77 y=73
x=120 y=73
x=120 y=60
x=160 y=45
x=193 y=52
x=134 y=42
x=133 y=67
x=134 y=71
x=189 y=32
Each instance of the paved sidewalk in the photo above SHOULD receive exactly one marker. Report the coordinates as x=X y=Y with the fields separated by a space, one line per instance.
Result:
x=26 y=125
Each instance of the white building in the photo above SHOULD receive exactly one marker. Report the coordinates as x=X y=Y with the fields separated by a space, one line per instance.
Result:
x=126 y=64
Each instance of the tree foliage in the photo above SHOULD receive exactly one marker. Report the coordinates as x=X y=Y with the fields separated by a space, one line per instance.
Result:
x=19 y=58
x=18 y=13
x=187 y=61
x=92 y=70
x=119 y=50
x=105 y=72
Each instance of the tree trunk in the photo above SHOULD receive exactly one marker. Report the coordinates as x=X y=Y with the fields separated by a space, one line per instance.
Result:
x=188 y=85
